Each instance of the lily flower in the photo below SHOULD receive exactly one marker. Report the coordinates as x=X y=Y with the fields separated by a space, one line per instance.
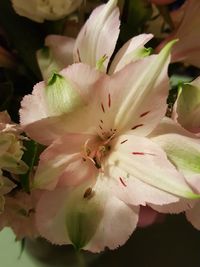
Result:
x=94 y=44
x=184 y=150
x=188 y=47
x=100 y=165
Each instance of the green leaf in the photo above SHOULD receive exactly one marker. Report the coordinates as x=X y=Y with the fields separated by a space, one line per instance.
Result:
x=135 y=14
x=31 y=158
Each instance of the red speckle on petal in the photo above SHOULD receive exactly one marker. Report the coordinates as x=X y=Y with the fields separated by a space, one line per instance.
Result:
x=121 y=180
x=102 y=107
x=143 y=153
x=109 y=100
x=136 y=126
x=144 y=114
x=138 y=153
x=124 y=141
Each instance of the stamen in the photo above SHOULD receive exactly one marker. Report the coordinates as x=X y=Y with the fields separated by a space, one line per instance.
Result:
x=136 y=126
x=89 y=193
x=86 y=149
x=124 y=141
x=97 y=163
x=79 y=57
x=144 y=114
x=121 y=180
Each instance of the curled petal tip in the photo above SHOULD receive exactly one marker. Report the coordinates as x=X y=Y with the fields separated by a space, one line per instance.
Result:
x=169 y=45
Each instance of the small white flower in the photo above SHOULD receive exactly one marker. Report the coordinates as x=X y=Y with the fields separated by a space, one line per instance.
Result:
x=40 y=10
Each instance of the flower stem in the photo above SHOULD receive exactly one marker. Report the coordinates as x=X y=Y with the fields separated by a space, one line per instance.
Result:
x=80 y=259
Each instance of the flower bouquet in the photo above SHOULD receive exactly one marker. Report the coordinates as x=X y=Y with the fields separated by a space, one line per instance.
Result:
x=99 y=122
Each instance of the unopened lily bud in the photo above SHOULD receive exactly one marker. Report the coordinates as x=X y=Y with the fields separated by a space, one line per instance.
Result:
x=187 y=107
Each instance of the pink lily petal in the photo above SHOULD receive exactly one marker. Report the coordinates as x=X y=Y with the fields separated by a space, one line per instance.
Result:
x=174 y=208
x=59 y=56
x=69 y=218
x=193 y=215
x=188 y=47
x=61 y=47
x=99 y=34
x=112 y=232
x=167 y=126
x=182 y=149
x=135 y=97
x=126 y=54
x=35 y=102
x=148 y=216
x=173 y=138
x=35 y=116
x=158 y=174
x=63 y=164
x=187 y=107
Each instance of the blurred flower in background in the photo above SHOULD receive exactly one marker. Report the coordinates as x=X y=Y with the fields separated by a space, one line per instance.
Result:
x=187 y=50
x=40 y=10
x=11 y=151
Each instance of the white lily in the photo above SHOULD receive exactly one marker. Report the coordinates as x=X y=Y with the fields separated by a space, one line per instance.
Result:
x=100 y=165
x=94 y=44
